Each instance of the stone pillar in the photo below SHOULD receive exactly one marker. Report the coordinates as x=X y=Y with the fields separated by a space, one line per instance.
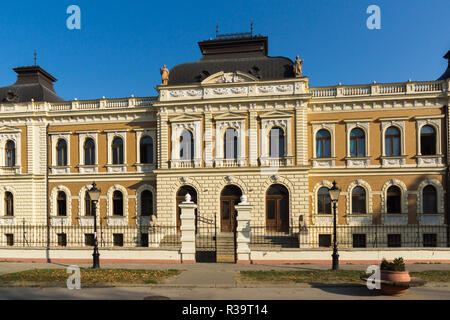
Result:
x=243 y=231
x=187 y=230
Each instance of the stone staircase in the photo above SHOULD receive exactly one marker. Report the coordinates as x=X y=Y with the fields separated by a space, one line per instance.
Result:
x=280 y=241
x=225 y=247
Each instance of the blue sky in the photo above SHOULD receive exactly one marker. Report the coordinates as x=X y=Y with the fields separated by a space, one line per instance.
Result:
x=122 y=44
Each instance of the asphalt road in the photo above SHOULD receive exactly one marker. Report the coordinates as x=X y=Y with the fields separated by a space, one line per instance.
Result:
x=198 y=293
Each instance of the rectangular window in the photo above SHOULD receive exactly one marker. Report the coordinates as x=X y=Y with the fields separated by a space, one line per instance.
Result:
x=359 y=240
x=430 y=240
x=9 y=239
x=89 y=239
x=62 y=239
x=394 y=240
x=118 y=239
x=325 y=240
x=144 y=240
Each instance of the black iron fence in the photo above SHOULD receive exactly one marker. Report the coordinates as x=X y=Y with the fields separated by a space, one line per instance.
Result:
x=26 y=235
x=370 y=236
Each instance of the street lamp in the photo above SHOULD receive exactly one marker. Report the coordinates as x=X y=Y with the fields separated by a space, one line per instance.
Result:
x=94 y=195
x=334 y=195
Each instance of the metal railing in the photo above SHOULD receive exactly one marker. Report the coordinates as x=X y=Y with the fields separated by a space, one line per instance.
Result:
x=26 y=235
x=365 y=236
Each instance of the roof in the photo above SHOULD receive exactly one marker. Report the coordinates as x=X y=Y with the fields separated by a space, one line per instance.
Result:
x=245 y=54
x=33 y=82
x=446 y=74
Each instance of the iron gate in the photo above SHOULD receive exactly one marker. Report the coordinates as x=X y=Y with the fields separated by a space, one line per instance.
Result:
x=205 y=239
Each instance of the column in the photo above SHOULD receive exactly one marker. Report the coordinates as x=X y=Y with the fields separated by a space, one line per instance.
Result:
x=243 y=231
x=253 y=139
x=187 y=230
x=162 y=141
x=208 y=140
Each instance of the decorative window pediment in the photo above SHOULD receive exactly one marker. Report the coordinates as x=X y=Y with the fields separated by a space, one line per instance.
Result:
x=276 y=114
x=229 y=77
x=229 y=116
x=184 y=118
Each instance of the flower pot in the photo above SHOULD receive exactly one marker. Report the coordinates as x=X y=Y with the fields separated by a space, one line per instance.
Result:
x=397 y=277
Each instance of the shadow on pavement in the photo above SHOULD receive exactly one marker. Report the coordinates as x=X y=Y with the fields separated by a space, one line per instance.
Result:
x=347 y=289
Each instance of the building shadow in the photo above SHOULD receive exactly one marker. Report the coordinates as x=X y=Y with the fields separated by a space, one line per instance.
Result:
x=347 y=289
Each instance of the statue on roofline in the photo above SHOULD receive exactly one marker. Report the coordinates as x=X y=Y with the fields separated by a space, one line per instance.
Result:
x=164 y=75
x=298 y=67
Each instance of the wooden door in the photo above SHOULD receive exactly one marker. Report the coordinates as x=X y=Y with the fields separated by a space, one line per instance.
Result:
x=230 y=197
x=277 y=209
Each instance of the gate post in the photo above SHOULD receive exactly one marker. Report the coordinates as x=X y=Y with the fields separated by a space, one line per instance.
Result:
x=243 y=231
x=187 y=230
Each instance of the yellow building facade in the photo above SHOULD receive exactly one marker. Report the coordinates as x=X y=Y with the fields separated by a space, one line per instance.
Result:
x=237 y=122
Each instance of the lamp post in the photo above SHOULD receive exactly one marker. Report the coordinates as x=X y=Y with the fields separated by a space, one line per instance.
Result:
x=334 y=195
x=94 y=195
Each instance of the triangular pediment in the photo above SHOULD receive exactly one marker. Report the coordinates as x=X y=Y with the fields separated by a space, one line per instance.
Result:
x=276 y=114
x=184 y=118
x=229 y=77
x=6 y=129
x=229 y=116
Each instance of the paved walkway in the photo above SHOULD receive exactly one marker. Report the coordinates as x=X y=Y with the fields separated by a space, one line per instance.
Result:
x=212 y=275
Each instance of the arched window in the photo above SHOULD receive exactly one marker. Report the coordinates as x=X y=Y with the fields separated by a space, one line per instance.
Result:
x=427 y=141
x=230 y=148
x=9 y=204
x=186 y=145
x=146 y=203
x=323 y=201
x=89 y=152
x=61 y=202
x=393 y=200
x=358 y=200
x=392 y=141
x=87 y=205
x=61 y=152
x=10 y=153
x=357 y=143
x=276 y=142
x=117 y=203
x=117 y=151
x=146 y=149
x=277 y=208
x=429 y=199
x=323 y=144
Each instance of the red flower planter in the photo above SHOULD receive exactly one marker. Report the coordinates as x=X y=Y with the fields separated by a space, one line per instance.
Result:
x=397 y=277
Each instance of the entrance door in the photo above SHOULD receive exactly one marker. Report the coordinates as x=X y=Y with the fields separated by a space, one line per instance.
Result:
x=277 y=209
x=229 y=197
x=181 y=198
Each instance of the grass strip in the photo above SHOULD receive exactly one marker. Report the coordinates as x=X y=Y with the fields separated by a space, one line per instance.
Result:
x=329 y=276
x=89 y=276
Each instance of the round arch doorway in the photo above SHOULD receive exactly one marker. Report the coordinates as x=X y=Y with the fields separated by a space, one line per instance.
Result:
x=181 y=194
x=229 y=197
x=277 y=208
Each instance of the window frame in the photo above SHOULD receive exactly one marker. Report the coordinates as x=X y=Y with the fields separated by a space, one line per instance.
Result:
x=12 y=151
x=64 y=153
x=8 y=200
x=321 y=141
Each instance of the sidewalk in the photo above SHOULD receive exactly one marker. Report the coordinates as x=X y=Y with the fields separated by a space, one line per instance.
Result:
x=210 y=275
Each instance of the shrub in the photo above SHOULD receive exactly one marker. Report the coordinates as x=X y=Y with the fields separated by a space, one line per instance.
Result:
x=397 y=265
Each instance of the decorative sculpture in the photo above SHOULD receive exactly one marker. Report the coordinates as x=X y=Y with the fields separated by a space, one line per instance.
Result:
x=164 y=75
x=298 y=67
